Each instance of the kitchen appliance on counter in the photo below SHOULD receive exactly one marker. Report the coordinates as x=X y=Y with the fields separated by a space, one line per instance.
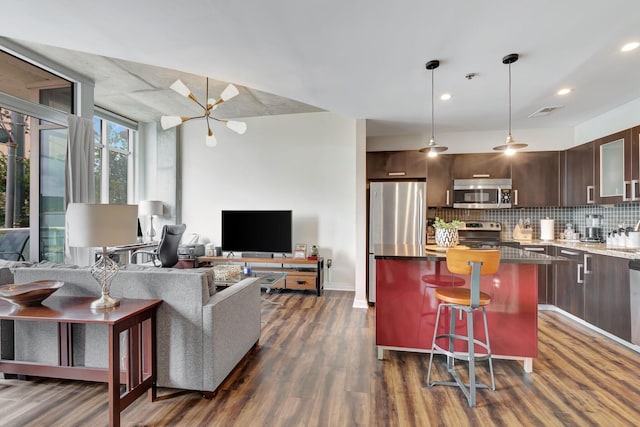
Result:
x=397 y=215
x=482 y=193
x=479 y=234
x=593 y=230
x=634 y=283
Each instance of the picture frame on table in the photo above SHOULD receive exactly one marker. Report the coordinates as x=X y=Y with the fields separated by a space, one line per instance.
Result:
x=300 y=251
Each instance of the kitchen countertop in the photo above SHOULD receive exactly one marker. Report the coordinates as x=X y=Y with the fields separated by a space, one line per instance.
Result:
x=508 y=254
x=596 y=248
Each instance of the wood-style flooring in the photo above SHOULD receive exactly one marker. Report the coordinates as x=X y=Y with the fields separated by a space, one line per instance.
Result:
x=316 y=365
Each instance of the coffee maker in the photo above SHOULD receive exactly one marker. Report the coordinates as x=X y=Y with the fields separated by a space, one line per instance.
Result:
x=593 y=230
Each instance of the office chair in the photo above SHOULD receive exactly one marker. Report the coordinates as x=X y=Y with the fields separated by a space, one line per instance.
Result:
x=166 y=254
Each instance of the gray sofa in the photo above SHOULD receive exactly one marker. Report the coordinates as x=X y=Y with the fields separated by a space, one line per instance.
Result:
x=201 y=334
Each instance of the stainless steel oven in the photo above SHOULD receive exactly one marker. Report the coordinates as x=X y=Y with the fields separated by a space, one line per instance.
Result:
x=482 y=193
x=480 y=234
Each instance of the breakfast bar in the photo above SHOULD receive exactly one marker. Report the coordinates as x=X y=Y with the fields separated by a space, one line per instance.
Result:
x=406 y=305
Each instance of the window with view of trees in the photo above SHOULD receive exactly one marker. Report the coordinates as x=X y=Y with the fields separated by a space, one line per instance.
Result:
x=112 y=165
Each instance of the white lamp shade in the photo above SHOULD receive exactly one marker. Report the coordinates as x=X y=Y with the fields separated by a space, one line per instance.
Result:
x=229 y=92
x=211 y=140
x=238 y=127
x=181 y=88
x=168 y=122
x=92 y=225
x=150 y=207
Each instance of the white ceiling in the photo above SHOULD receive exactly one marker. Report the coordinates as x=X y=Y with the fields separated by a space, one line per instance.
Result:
x=358 y=58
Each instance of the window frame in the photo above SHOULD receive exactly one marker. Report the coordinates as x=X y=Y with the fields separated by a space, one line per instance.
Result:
x=106 y=117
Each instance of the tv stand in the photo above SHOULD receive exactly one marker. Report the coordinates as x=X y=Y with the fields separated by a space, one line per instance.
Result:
x=301 y=274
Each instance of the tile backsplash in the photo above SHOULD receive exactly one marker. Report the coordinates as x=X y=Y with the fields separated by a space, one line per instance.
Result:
x=613 y=215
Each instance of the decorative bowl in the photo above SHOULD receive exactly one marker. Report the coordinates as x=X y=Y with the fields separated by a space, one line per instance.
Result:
x=29 y=294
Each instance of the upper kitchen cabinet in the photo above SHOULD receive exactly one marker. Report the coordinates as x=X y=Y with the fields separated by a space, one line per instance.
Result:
x=396 y=164
x=536 y=178
x=481 y=165
x=615 y=181
x=579 y=179
x=439 y=180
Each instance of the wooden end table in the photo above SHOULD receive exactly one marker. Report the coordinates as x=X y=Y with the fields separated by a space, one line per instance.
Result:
x=135 y=317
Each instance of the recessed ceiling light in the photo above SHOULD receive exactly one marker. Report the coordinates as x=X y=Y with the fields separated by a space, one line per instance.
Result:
x=445 y=96
x=629 y=46
x=564 y=91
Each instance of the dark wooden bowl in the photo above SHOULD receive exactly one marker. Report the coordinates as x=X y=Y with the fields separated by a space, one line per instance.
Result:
x=29 y=294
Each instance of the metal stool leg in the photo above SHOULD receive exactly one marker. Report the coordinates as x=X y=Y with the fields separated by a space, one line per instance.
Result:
x=472 y=360
x=486 y=334
x=433 y=344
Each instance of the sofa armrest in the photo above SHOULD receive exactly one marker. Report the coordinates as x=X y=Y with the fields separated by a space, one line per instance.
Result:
x=231 y=324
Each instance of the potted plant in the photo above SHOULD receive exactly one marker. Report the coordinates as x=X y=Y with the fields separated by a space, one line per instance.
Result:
x=446 y=232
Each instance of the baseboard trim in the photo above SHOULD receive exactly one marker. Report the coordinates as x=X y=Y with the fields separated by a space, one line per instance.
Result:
x=629 y=345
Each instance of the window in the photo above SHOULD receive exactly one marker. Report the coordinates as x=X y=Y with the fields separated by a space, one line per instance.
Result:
x=113 y=166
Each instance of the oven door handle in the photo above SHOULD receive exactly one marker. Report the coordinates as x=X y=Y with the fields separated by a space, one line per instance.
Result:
x=499 y=198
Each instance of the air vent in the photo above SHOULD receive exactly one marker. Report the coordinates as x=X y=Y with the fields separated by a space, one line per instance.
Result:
x=545 y=111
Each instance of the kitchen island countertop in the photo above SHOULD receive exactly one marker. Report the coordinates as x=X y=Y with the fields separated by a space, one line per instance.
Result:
x=508 y=254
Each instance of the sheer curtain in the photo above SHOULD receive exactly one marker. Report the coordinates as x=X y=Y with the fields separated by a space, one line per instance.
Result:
x=79 y=179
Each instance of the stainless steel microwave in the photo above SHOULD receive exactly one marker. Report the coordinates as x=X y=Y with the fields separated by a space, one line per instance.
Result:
x=482 y=193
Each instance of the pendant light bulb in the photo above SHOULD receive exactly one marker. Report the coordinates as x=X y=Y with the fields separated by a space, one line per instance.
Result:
x=432 y=149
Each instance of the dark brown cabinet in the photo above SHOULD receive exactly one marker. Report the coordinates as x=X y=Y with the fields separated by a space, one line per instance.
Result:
x=536 y=178
x=545 y=274
x=396 y=164
x=613 y=162
x=439 y=181
x=569 y=281
x=481 y=165
x=607 y=294
x=579 y=172
x=596 y=289
x=634 y=154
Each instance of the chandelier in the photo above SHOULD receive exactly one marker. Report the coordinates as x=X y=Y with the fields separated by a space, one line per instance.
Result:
x=229 y=92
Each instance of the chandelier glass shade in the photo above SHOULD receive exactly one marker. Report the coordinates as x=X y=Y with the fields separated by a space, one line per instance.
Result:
x=229 y=92
x=510 y=146
x=432 y=149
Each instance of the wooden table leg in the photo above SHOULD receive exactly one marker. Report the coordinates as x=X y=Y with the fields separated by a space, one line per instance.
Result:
x=114 y=377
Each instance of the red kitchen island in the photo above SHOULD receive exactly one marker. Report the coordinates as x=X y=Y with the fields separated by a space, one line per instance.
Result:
x=406 y=305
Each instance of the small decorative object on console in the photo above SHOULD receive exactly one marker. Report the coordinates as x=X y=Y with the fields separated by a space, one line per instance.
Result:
x=300 y=251
x=314 y=253
x=29 y=294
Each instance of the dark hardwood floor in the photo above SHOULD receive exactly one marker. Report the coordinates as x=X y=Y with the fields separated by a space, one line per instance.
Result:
x=316 y=366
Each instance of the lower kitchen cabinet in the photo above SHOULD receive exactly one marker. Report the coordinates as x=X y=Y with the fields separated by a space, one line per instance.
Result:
x=596 y=289
x=545 y=274
x=569 y=281
x=607 y=294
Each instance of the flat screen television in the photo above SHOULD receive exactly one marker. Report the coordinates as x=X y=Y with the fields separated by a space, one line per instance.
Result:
x=257 y=231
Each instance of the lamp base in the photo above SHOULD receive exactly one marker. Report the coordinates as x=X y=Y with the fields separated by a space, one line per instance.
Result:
x=105 y=301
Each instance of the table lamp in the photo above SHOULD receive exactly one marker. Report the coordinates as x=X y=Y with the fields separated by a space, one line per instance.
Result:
x=92 y=225
x=150 y=208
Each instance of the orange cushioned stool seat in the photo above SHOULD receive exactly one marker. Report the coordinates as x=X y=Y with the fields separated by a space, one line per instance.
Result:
x=467 y=301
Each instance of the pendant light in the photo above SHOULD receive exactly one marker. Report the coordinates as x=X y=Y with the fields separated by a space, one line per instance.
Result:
x=511 y=145
x=432 y=149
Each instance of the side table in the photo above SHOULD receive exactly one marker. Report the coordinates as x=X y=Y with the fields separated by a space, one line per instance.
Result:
x=135 y=317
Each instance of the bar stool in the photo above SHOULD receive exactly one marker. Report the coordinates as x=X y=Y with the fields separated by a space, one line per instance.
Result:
x=465 y=300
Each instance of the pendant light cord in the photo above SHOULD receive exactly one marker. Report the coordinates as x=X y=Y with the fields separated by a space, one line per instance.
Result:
x=509 y=98
x=432 y=120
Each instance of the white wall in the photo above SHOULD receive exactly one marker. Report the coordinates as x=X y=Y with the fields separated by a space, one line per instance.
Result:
x=624 y=117
x=547 y=139
x=302 y=162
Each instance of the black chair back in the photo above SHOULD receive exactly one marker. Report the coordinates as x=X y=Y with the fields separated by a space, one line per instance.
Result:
x=169 y=242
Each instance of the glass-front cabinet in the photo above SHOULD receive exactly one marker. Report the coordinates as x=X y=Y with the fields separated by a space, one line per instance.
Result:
x=615 y=179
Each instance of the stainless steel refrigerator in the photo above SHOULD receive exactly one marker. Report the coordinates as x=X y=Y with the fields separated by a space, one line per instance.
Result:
x=397 y=215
